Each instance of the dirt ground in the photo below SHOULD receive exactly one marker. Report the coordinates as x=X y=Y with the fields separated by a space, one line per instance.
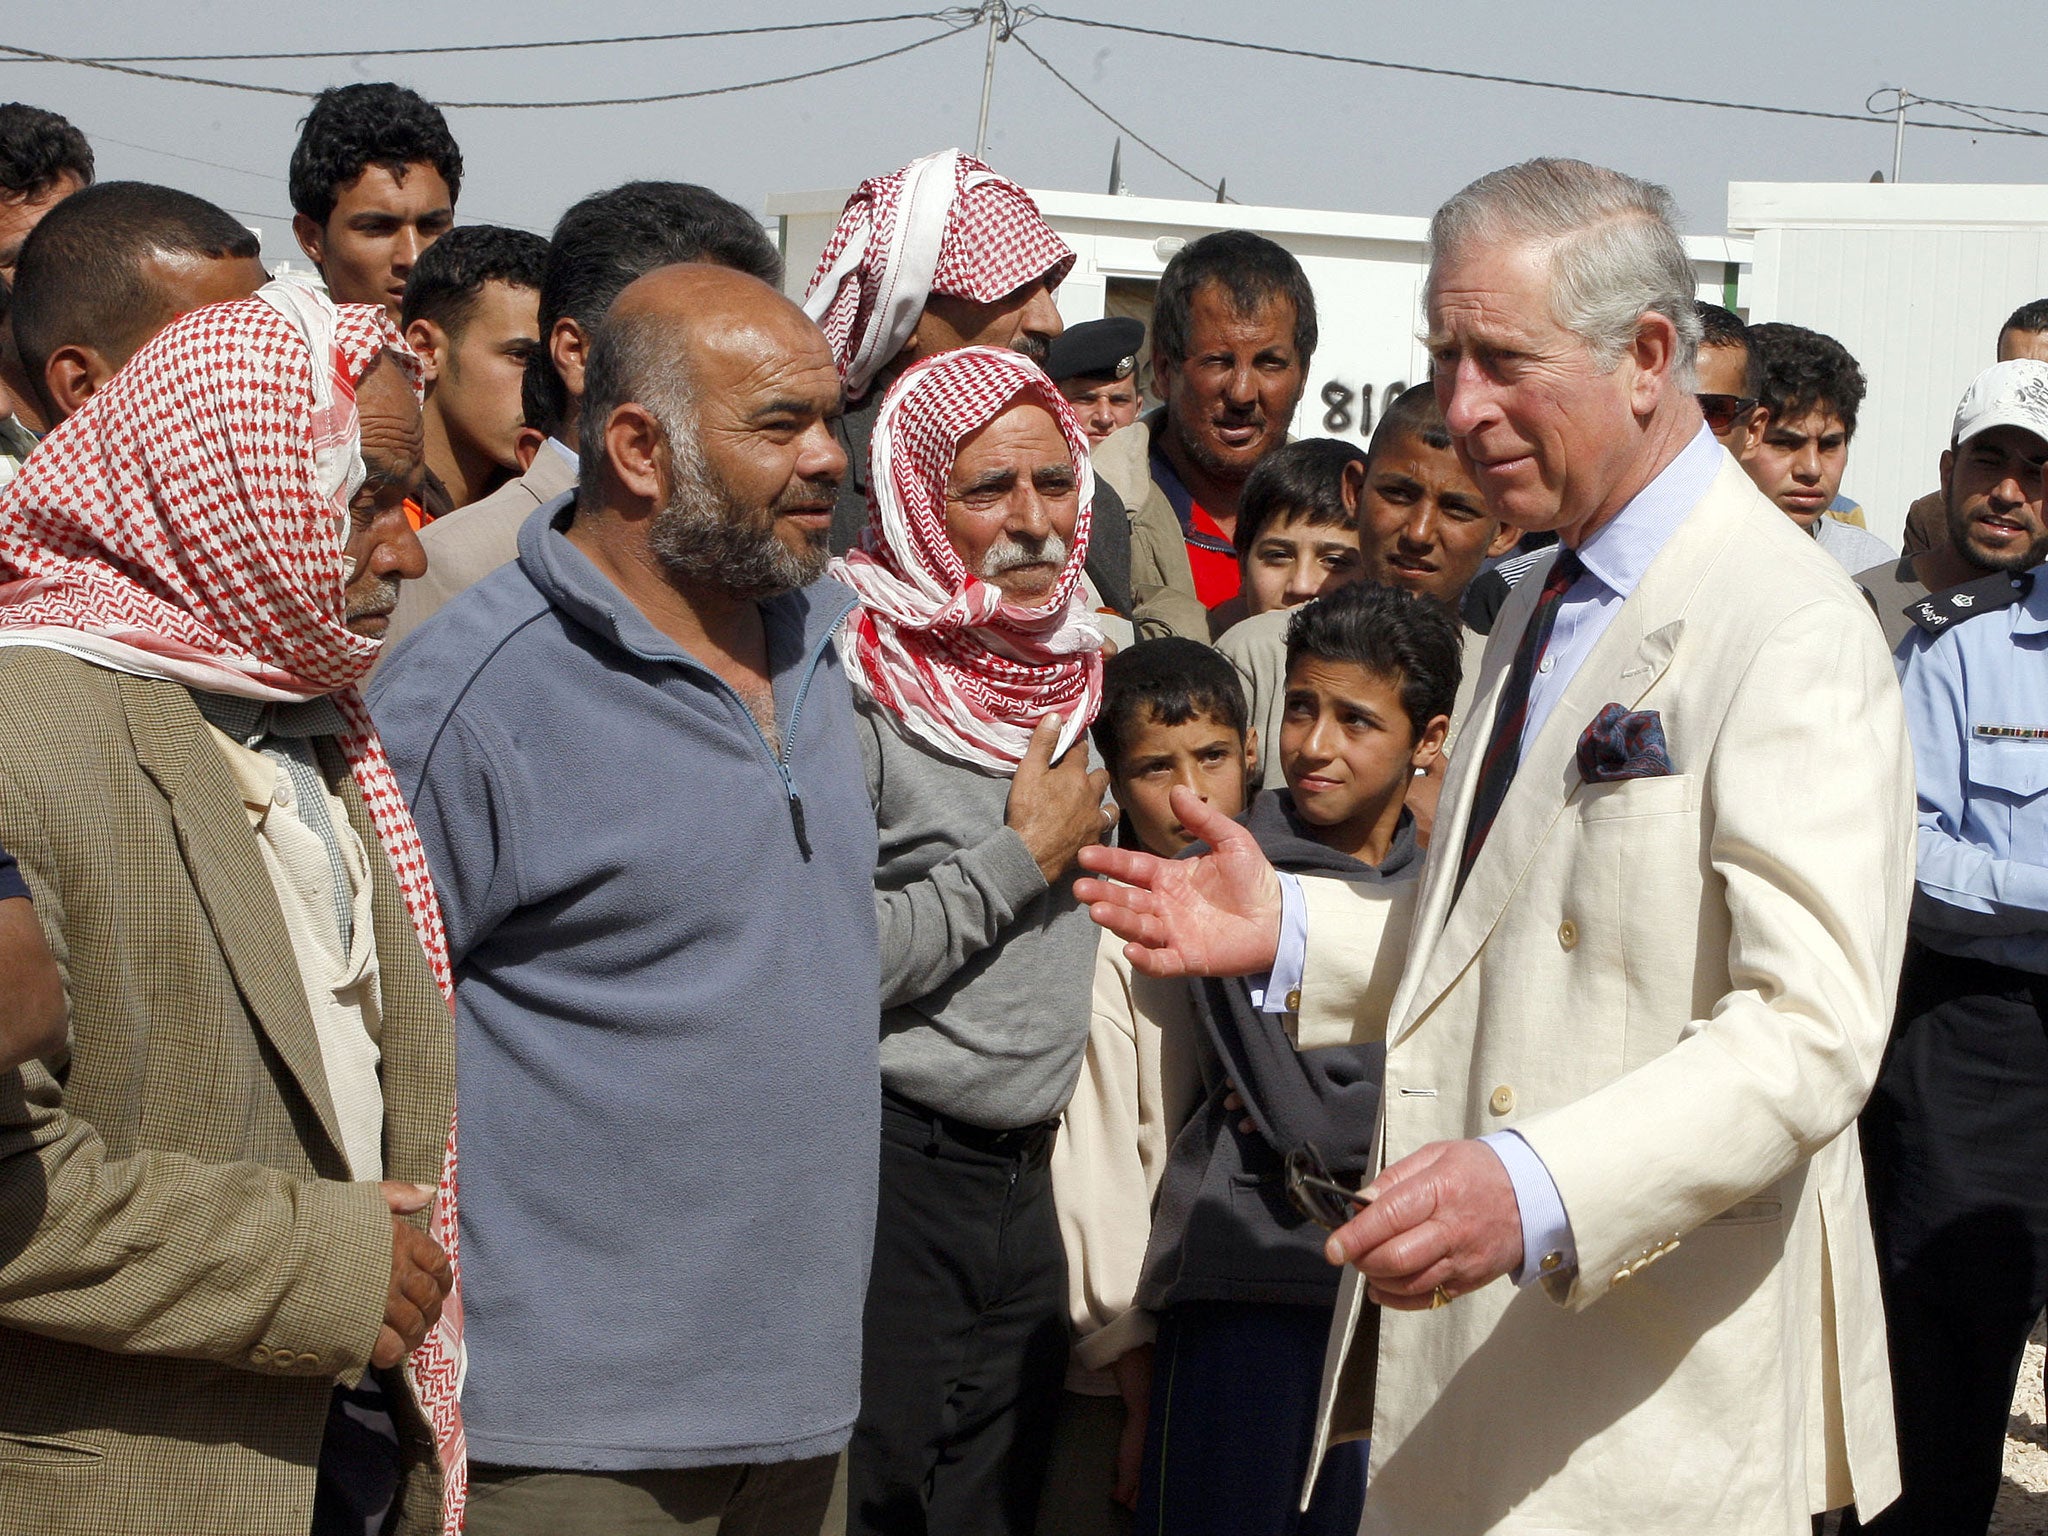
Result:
x=2023 y=1501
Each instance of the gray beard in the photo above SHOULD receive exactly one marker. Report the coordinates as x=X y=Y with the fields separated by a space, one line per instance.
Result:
x=703 y=537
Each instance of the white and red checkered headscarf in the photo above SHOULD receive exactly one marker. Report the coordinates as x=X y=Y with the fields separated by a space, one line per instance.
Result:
x=188 y=524
x=968 y=673
x=943 y=224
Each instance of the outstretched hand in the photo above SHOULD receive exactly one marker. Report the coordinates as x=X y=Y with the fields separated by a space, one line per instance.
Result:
x=1217 y=915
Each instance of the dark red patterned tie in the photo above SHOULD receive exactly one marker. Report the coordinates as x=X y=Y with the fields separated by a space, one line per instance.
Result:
x=1504 y=746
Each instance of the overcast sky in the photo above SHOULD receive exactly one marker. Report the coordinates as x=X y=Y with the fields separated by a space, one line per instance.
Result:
x=1289 y=132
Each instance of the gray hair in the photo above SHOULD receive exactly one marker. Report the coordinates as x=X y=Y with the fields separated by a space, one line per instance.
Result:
x=636 y=359
x=1613 y=243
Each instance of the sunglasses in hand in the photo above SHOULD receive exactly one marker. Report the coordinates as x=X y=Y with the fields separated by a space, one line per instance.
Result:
x=1723 y=411
x=1316 y=1194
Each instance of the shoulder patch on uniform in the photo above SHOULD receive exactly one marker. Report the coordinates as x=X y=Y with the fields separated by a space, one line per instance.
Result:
x=1988 y=594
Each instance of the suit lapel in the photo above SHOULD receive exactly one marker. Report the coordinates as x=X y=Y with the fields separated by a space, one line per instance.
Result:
x=1625 y=664
x=227 y=871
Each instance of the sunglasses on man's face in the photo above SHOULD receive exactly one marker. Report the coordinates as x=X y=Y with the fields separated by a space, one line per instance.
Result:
x=1723 y=411
x=1315 y=1194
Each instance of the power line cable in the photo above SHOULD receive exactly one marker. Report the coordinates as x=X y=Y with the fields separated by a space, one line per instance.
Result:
x=566 y=42
x=1047 y=66
x=506 y=106
x=1541 y=85
x=1969 y=111
x=37 y=56
x=96 y=137
x=714 y=90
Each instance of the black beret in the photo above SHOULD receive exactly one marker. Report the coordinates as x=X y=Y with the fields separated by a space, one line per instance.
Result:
x=1097 y=349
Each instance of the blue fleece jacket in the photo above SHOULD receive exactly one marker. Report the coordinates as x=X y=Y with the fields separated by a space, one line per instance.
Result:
x=666 y=1018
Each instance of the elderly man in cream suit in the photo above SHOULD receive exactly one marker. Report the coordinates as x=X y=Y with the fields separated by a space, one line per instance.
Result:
x=1618 y=1252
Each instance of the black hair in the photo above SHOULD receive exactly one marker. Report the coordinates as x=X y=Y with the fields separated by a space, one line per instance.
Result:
x=2031 y=317
x=377 y=123
x=1254 y=272
x=1171 y=680
x=1720 y=327
x=1793 y=370
x=36 y=148
x=1413 y=413
x=611 y=239
x=1303 y=481
x=1392 y=633
x=450 y=275
x=82 y=281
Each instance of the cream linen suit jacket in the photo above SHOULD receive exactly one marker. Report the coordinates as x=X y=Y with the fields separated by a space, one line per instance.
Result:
x=1677 y=990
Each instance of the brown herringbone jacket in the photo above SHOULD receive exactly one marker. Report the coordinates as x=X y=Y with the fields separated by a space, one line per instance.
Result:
x=184 y=1270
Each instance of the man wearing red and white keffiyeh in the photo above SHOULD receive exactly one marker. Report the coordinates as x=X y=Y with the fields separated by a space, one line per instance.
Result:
x=943 y=254
x=193 y=570
x=976 y=666
x=969 y=629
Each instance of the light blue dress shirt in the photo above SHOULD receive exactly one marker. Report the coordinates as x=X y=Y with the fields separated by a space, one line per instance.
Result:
x=569 y=455
x=1977 y=710
x=1616 y=557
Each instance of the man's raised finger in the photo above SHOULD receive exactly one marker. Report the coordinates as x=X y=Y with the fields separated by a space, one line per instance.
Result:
x=1208 y=824
x=1127 y=865
x=1038 y=751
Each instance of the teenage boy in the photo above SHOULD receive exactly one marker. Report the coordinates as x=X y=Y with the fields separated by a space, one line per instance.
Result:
x=1235 y=1272
x=1172 y=714
x=1296 y=536
x=1808 y=388
x=472 y=314
x=373 y=183
x=1422 y=525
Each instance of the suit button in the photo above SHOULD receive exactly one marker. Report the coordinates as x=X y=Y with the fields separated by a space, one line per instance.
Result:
x=1620 y=1275
x=1568 y=934
x=307 y=1362
x=260 y=1355
x=1503 y=1100
x=1294 y=1000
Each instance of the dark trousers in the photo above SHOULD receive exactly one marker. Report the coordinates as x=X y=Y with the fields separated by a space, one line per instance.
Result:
x=965 y=1341
x=1955 y=1150
x=1233 y=1420
x=359 y=1471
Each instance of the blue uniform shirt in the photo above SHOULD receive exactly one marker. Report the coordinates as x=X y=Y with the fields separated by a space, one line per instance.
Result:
x=1977 y=707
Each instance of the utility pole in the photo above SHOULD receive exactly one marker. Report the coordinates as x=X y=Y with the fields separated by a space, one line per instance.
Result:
x=1898 y=136
x=997 y=12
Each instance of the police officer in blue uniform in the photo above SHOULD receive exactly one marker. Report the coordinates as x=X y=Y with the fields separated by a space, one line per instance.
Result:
x=1955 y=1138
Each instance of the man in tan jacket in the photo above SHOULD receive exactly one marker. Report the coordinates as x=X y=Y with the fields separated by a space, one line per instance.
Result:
x=1650 y=978
x=212 y=1197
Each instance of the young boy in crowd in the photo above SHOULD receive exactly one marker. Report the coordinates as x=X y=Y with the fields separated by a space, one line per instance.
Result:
x=1172 y=714
x=1234 y=1272
x=1422 y=525
x=1296 y=534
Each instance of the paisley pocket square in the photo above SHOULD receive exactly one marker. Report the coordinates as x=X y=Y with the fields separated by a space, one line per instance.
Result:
x=1623 y=744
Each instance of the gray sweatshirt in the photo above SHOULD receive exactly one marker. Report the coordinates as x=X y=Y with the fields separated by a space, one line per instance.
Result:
x=986 y=971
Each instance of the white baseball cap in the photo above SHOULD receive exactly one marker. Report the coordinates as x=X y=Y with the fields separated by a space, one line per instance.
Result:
x=2009 y=394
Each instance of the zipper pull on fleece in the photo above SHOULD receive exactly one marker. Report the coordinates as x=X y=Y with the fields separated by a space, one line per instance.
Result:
x=796 y=813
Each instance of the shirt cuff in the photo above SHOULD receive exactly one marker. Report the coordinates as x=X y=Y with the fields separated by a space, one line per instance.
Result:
x=1279 y=990
x=1547 y=1245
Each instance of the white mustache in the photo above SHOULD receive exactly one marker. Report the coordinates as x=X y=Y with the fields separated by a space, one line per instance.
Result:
x=1006 y=554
